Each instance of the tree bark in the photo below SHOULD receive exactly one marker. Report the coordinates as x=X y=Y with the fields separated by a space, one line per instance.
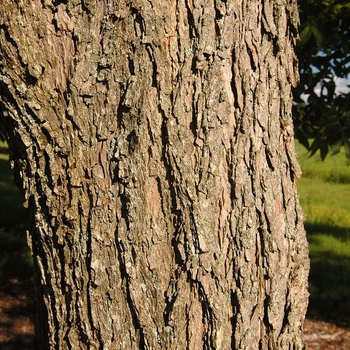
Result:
x=154 y=145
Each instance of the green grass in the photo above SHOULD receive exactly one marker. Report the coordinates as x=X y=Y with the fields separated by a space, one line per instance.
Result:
x=15 y=258
x=324 y=191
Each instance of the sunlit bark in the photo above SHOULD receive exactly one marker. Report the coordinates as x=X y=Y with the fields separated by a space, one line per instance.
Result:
x=153 y=142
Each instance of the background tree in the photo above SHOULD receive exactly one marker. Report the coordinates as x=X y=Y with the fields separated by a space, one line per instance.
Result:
x=324 y=56
x=153 y=142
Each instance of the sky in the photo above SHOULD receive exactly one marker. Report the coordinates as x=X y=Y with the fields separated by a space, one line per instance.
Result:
x=342 y=85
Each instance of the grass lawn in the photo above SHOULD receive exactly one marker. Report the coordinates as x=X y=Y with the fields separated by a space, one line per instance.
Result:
x=324 y=191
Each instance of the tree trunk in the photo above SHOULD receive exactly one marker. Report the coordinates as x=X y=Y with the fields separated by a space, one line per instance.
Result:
x=154 y=145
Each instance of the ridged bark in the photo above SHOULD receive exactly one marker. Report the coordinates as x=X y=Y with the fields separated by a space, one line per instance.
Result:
x=154 y=145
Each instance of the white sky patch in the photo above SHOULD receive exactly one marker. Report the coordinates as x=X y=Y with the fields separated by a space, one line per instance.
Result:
x=342 y=85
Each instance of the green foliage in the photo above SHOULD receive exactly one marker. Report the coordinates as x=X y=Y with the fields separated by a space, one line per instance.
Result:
x=306 y=33
x=324 y=55
x=324 y=195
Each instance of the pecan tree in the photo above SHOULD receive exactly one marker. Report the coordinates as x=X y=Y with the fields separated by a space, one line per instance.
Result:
x=153 y=143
